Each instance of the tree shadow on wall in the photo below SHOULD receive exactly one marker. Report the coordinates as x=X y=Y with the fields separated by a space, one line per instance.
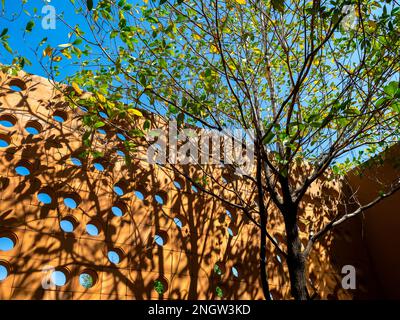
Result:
x=132 y=230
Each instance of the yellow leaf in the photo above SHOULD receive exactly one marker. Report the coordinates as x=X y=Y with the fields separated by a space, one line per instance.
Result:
x=57 y=59
x=135 y=112
x=101 y=97
x=76 y=88
x=232 y=66
x=214 y=49
x=241 y=1
x=47 y=52
x=66 y=54
x=257 y=51
x=196 y=36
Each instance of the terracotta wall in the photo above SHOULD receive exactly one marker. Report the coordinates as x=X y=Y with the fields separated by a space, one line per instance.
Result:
x=196 y=230
x=381 y=223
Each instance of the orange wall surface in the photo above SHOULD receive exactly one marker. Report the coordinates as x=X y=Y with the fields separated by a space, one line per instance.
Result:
x=186 y=263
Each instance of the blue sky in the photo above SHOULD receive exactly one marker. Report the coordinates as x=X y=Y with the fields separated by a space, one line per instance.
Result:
x=26 y=43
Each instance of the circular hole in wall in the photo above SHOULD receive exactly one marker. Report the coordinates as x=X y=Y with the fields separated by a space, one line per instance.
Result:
x=93 y=228
x=84 y=109
x=8 y=120
x=103 y=115
x=232 y=230
x=17 y=85
x=4 y=270
x=219 y=292
x=102 y=131
x=68 y=224
x=121 y=137
x=180 y=221
x=60 y=116
x=161 y=238
x=119 y=189
x=160 y=285
x=271 y=296
x=160 y=199
x=88 y=279
x=23 y=168
x=119 y=209
x=45 y=196
x=33 y=127
x=71 y=200
x=115 y=255
x=76 y=161
x=177 y=185
x=121 y=153
x=4 y=141
x=59 y=277
x=7 y=242
x=139 y=195
x=235 y=271
x=219 y=268
x=99 y=164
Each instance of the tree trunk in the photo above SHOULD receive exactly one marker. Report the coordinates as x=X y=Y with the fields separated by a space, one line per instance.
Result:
x=295 y=259
x=263 y=240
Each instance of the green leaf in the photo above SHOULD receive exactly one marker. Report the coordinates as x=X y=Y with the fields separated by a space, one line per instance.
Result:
x=396 y=107
x=142 y=79
x=86 y=138
x=391 y=88
x=380 y=102
x=159 y=287
x=4 y=32
x=29 y=26
x=268 y=138
x=7 y=47
x=22 y=63
x=99 y=124
x=278 y=5
x=152 y=19
x=146 y=125
x=162 y=63
x=89 y=4
x=219 y=292
x=217 y=270
x=77 y=41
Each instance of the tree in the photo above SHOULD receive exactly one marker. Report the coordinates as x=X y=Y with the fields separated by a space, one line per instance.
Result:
x=316 y=81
